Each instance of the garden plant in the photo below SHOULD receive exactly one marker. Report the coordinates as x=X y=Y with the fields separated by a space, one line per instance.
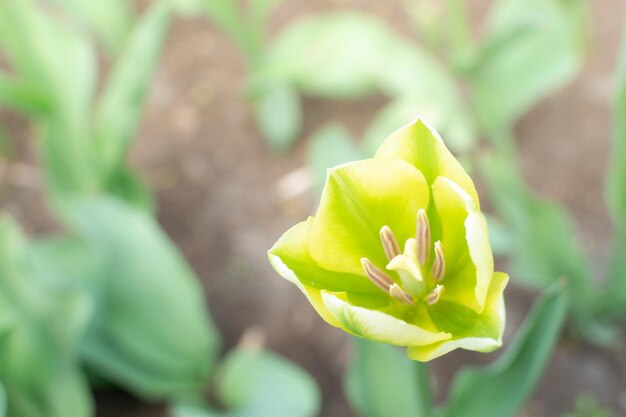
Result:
x=400 y=254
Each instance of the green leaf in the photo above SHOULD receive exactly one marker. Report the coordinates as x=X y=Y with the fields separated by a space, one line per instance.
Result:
x=587 y=406
x=279 y=116
x=381 y=381
x=257 y=383
x=22 y=96
x=228 y=17
x=531 y=49
x=3 y=402
x=544 y=248
x=258 y=13
x=110 y=20
x=351 y=55
x=500 y=389
x=32 y=40
x=339 y=54
x=127 y=185
x=43 y=323
x=151 y=332
x=616 y=181
x=613 y=298
x=119 y=108
x=330 y=146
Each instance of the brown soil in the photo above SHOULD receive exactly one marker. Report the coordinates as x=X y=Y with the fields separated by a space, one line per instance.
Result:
x=216 y=186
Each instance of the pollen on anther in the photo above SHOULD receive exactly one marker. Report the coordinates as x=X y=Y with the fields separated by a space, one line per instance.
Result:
x=399 y=294
x=422 y=236
x=439 y=265
x=390 y=244
x=377 y=276
x=435 y=294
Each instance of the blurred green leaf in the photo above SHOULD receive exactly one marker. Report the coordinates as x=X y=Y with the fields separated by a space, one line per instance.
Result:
x=128 y=186
x=3 y=402
x=544 y=248
x=331 y=145
x=279 y=116
x=229 y=18
x=616 y=180
x=151 y=332
x=339 y=54
x=38 y=352
x=587 y=406
x=613 y=298
x=351 y=55
x=110 y=20
x=120 y=105
x=260 y=383
x=258 y=13
x=22 y=96
x=531 y=49
x=56 y=65
x=60 y=261
x=257 y=383
x=381 y=381
x=500 y=237
x=500 y=389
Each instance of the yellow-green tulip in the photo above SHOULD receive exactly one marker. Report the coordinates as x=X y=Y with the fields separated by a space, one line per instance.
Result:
x=398 y=251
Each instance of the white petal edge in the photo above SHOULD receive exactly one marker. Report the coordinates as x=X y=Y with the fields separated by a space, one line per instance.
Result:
x=284 y=271
x=477 y=238
x=469 y=343
x=478 y=344
x=378 y=326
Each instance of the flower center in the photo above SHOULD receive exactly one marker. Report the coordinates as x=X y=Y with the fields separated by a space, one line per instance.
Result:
x=419 y=276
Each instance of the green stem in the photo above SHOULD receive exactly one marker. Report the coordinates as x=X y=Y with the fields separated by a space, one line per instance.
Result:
x=425 y=393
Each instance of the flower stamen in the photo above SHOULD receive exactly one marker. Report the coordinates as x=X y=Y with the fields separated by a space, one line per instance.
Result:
x=422 y=235
x=439 y=265
x=435 y=294
x=377 y=276
x=399 y=294
x=390 y=244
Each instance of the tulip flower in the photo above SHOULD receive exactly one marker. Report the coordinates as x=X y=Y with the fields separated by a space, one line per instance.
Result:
x=398 y=251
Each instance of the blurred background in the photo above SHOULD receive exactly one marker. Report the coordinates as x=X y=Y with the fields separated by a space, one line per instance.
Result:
x=232 y=165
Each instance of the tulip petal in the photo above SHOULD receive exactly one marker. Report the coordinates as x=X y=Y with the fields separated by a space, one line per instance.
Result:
x=421 y=146
x=290 y=257
x=468 y=256
x=379 y=326
x=482 y=333
x=358 y=200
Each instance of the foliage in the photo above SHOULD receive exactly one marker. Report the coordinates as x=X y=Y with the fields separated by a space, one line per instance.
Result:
x=586 y=406
x=381 y=379
x=255 y=383
x=111 y=293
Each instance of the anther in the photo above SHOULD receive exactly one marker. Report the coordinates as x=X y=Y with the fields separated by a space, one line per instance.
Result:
x=439 y=265
x=390 y=244
x=399 y=294
x=435 y=294
x=378 y=277
x=422 y=235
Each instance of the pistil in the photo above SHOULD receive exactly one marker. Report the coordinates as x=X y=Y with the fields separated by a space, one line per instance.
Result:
x=415 y=281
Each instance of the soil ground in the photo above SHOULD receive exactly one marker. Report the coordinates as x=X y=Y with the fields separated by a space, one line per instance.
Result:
x=216 y=186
